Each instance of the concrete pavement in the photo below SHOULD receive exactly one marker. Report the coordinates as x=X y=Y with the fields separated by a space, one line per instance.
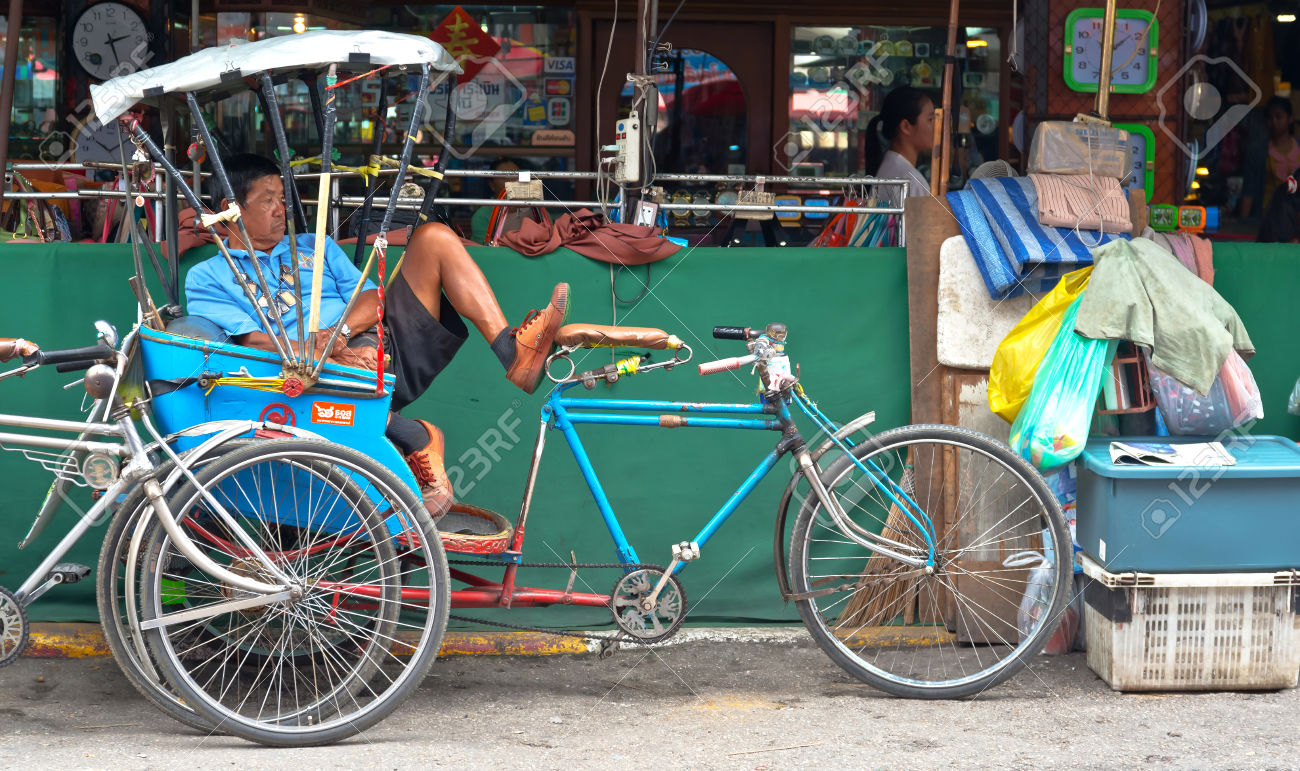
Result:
x=771 y=701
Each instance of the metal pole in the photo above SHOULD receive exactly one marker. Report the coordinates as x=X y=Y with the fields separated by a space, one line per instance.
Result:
x=941 y=160
x=271 y=107
x=15 y=25
x=376 y=146
x=440 y=167
x=1107 y=53
x=171 y=206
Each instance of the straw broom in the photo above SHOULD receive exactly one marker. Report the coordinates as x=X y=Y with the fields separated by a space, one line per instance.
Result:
x=868 y=602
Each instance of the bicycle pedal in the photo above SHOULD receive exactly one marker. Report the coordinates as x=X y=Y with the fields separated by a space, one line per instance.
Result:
x=69 y=572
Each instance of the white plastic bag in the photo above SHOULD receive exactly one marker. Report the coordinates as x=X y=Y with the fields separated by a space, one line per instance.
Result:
x=1065 y=147
x=1039 y=586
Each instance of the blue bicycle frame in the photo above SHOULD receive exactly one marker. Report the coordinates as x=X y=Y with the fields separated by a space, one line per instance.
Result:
x=567 y=412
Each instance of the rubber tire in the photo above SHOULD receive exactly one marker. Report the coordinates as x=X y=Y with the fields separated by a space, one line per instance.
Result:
x=123 y=650
x=882 y=441
x=425 y=655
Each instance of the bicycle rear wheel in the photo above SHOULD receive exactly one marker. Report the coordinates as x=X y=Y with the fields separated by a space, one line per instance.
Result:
x=368 y=623
x=972 y=622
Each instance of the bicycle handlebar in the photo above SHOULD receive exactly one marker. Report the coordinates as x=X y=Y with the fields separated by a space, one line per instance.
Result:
x=90 y=353
x=723 y=365
x=734 y=333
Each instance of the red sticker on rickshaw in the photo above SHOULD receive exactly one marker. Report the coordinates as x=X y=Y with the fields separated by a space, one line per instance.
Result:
x=332 y=414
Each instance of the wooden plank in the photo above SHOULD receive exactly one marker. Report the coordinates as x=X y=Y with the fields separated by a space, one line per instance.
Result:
x=929 y=223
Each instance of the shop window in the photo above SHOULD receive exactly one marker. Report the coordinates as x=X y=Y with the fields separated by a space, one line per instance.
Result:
x=701 y=126
x=839 y=75
x=35 y=86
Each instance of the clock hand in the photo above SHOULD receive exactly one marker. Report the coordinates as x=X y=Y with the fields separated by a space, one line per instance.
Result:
x=112 y=46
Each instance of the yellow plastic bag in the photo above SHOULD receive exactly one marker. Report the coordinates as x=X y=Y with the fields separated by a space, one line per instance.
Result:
x=1021 y=351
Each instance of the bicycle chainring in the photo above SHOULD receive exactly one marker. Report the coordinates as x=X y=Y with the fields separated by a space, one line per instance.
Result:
x=13 y=627
x=657 y=623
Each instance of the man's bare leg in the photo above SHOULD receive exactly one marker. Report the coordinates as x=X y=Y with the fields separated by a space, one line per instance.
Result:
x=435 y=262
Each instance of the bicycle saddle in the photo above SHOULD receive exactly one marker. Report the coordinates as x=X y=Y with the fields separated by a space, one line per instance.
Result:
x=604 y=336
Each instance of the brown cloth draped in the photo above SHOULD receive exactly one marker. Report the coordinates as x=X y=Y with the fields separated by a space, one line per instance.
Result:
x=586 y=233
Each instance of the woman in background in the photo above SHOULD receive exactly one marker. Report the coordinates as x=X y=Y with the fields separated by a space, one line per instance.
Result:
x=1281 y=223
x=906 y=129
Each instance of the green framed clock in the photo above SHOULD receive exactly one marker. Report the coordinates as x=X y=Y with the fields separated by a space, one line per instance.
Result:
x=1141 y=173
x=1133 y=61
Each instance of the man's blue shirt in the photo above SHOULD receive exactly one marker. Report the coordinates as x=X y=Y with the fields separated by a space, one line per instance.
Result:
x=211 y=292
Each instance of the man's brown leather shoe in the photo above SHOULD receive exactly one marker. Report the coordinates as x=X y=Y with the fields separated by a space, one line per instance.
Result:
x=534 y=339
x=426 y=464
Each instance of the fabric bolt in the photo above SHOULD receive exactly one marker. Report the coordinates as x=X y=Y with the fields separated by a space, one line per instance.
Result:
x=1141 y=292
x=586 y=233
x=1204 y=252
x=1181 y=248
x=1016 y=254
x=1085 y=202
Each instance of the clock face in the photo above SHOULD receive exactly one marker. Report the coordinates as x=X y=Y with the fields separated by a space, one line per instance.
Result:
x=1133 y=62
x=1142 y=155
x=96 y=142
x=110 y=39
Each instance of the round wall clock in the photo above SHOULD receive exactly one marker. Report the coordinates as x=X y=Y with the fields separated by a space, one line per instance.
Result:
x=1133 y=62
x=97 y=142
x=110 y=39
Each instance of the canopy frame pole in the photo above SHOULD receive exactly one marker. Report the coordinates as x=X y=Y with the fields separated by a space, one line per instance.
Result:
x=376 y=146
x=322 y=220
x=448 y=130
x=271 y=106
x=223 y=181
x=381 y=243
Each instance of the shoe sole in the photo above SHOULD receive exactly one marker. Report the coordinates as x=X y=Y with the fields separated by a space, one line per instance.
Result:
x=559 y=301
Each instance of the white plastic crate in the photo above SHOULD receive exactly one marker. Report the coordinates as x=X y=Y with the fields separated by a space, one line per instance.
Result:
x=1193 y=632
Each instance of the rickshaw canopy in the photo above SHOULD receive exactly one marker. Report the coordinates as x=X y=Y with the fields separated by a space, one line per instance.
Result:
x=230 y=63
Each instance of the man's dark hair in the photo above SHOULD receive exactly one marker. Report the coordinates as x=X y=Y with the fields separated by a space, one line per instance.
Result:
x=246 y=168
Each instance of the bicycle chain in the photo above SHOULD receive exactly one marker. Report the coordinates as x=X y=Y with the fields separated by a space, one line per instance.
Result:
x=618 y=637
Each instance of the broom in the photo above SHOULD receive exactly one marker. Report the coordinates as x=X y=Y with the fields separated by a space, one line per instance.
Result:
x=869 y=601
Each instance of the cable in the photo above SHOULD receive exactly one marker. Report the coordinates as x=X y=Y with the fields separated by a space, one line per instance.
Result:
x=609 y=47
x=655 y=45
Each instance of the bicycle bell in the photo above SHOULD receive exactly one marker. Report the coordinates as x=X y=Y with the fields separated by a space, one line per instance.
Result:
x=99 y=381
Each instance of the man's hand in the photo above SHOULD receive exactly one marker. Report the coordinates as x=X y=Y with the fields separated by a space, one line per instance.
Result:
x=363 y=357
x=323 y=339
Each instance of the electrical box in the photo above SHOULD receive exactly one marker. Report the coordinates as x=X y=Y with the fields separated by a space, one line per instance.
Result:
x=627 y=160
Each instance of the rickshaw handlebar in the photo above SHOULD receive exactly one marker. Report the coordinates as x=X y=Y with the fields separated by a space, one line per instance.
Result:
x=65 y=356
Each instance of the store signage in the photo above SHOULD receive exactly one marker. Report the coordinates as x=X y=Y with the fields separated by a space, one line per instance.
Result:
x=466 y=42
x=553 y=138
x=560 y=65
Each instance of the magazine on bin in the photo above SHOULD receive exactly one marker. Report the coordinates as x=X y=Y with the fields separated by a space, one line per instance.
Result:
x=1164 y=454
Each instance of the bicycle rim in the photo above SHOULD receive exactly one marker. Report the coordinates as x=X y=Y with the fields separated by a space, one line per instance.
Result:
x=983 y=610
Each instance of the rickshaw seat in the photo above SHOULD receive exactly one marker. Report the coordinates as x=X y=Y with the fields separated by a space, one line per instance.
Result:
x=197 y=327
x=604 y=336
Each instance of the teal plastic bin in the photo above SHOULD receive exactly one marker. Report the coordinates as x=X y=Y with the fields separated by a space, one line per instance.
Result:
x=1167 y=519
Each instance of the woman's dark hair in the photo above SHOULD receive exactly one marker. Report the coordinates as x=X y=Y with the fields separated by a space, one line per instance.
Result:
x=1281 y=223
x=902 y=104
x=243 y=170
x=1280 y=103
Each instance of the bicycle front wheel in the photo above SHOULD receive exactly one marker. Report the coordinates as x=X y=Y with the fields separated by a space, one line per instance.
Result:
x=1002 y=567
x=367 y=562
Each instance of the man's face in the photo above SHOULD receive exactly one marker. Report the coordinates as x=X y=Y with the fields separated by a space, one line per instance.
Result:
x=263 y=212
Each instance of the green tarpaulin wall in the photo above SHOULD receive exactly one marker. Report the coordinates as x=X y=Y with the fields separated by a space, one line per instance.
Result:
x=847 y=314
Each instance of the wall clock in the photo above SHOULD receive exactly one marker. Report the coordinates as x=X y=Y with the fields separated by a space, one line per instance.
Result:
x=1141 y=174
x=99 y=143
x=1133 y=64
x=110 y=39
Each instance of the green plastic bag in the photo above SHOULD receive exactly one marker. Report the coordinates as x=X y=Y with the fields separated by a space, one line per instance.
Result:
x=1016 y=362
x=1052 y=427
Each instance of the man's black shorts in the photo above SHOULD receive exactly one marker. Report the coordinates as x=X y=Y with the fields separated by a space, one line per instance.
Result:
x=421 y=346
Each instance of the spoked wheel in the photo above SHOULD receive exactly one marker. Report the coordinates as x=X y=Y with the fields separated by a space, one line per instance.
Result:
x=981 y=613
x=359 y=551
x=119 y=590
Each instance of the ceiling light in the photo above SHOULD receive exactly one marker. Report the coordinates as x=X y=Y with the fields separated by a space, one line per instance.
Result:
x=1286 y=18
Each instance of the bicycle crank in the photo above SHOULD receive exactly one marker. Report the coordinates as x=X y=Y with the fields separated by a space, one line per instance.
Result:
x=652 y=624
x=13 y=627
